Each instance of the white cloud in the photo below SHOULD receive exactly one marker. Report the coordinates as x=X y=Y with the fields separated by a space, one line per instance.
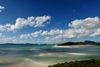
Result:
x=25 y=36
x=30 y=21
x=96 y=33
x=36 y=34
x=79 y=28
x=32 y=35
x=52 y=32
x=5 y=39
x=88 y=23
x=9 y=39
x=39 y=21
x=1 y=8
x=88 y=27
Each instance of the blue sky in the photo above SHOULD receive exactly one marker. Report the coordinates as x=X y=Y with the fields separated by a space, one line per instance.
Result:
x=52 y=21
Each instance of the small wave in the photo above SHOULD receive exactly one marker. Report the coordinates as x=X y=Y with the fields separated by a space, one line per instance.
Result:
x=62 y=46
x=72 y=46
x=78 y=53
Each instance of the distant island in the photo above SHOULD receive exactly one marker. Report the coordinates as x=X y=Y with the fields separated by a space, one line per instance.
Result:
x=87 y=42
x=83 y=63
x=22 y=44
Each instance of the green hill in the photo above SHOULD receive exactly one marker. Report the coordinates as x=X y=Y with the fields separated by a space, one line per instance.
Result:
x=84 y=63
x=80 y=43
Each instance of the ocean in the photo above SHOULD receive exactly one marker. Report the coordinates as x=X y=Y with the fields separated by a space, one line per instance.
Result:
x=44 y=55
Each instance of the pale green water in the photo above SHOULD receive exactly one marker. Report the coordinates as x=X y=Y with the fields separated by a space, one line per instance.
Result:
x=45 y=54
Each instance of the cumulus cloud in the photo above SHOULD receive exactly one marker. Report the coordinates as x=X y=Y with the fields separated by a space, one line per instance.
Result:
x=5 y=39
x=88 y=27
x=1 y=8
x=88 y=23
x=32 y=35
x=39 y=21
x=52 y=32
x=79 y=28
x=30 y=21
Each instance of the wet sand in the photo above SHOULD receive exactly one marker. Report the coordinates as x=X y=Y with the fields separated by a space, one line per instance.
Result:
x=28 y=63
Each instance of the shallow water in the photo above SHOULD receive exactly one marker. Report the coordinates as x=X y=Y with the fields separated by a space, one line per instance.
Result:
x=44 y=55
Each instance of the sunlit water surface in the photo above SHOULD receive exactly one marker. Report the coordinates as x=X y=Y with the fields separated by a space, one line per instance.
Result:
x=44 y=55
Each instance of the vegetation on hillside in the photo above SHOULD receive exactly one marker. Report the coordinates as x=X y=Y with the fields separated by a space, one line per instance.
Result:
x=80 y=43
x=84 y=63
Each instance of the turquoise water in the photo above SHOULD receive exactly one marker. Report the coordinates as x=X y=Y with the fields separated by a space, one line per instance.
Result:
x=45 y=54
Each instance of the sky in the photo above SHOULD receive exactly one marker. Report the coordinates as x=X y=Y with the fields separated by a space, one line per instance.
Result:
x=49 y=21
